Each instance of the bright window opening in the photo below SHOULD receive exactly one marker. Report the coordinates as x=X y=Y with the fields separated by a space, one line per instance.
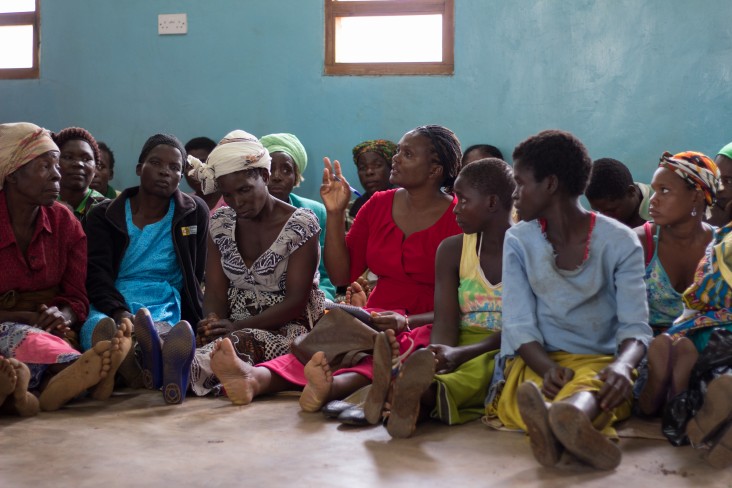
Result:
x=389 y=37
x=383 y=39
x=19 y=38
x=18 y=52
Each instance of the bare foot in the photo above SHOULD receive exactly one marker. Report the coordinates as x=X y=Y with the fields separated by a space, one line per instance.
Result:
x=23 y=403
x=88 y=370
x=121 y=344
x=655 y=392
x=356 y=294
x=8 y=379
x=236 y=376
x=320 y=381
x=683 y=359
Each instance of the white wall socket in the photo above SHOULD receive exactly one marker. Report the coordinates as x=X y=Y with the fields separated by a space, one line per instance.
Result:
x=172 y=24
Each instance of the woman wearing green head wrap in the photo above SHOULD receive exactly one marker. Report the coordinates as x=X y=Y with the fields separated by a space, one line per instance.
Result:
x=289 y=160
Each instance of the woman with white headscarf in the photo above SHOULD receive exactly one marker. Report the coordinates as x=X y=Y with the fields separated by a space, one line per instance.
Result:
x=261 y=272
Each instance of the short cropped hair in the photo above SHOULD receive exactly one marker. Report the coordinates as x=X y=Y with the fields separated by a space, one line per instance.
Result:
x=200 y=143
x=104 y=148
x=491 y=176
x=166 y=139
x=484 y=149
x=559 y=153
x=609 y=180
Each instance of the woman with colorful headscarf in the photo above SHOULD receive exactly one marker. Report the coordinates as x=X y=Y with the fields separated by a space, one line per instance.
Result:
x=261 y=280
x=42 y=292
x=289 y=160
x=685 y=187
x=373 y=162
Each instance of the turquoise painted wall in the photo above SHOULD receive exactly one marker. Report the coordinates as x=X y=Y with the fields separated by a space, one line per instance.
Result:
x=631 y=78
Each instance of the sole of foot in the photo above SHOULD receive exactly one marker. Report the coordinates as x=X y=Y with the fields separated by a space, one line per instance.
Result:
x=152 y=353
x=414 y=378
x=574 y=430
x=236 y=376
x=319 y=383
x=373 y=407
x=714 y=413
x=22 y=402
x=535 y=414
x=88 y=370
x=178 y=351
x=655 y=391
x=121 y=343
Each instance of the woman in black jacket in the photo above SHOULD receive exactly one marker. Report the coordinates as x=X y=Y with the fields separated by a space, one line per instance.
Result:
x=147 y=249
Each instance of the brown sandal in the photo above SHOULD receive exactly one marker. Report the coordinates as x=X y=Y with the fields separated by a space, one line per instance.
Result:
x=415 y=377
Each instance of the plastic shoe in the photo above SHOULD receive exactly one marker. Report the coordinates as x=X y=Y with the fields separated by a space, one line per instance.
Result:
x=576 y=433
x=414 y=378
x=547 y=450
x=152 y=356
x=714 y=413
x=178 y=351
x=105 y=330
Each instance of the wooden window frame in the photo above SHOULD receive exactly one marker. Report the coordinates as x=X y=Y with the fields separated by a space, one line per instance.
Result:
x=24 y=18
x=335 y=9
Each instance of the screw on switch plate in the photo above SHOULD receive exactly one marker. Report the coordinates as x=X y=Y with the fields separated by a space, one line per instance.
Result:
x=172 y=24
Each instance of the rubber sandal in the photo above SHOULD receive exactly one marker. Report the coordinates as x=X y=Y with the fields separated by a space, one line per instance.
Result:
x=152 y=355
x=575 y=431
x=105 y=330
x=415 y=377
x=386 y=368
x=545 y=446
x=715 y=412
x=720 y=454
x=178 y=351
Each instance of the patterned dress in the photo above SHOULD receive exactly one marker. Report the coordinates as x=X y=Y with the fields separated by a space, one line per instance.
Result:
x=253 y=289
x=664 y=302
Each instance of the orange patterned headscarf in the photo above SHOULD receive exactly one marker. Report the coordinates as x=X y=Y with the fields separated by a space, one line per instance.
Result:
x=21 y=143
x=696 y=169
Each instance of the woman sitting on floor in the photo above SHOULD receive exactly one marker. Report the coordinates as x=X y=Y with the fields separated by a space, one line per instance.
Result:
x=708 y=306
x=78 y=160
x=685 y=187
x=289 y=160
x=42 y=294
x=396 y=234
x=575 y=318
x=373 y=162
x=147 y=249
x=261 y=275
x=466 y=334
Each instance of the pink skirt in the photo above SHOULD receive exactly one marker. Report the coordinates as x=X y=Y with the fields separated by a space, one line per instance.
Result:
x=292 y=370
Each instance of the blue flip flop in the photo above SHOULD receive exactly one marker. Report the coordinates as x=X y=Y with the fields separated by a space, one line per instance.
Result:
x=152 y=356
x=178 y=351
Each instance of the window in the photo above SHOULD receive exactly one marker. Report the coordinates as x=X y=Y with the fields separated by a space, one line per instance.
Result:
x=19 y=38
x=389 y=37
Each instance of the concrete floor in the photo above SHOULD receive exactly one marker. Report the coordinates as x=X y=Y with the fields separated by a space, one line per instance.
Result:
x=136 y=440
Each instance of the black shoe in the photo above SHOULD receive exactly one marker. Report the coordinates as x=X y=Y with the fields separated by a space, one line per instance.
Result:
x=353 y=416
x=333 y=409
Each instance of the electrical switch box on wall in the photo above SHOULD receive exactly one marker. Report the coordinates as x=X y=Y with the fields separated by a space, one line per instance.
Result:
x=172 y=24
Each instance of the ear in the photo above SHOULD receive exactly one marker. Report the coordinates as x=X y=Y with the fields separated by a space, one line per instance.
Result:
x=493 y=203
x=138 y=169
x=632 y=190
x=437 y=171
x=551 y=184
x=265 y=177
x=111 y=174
